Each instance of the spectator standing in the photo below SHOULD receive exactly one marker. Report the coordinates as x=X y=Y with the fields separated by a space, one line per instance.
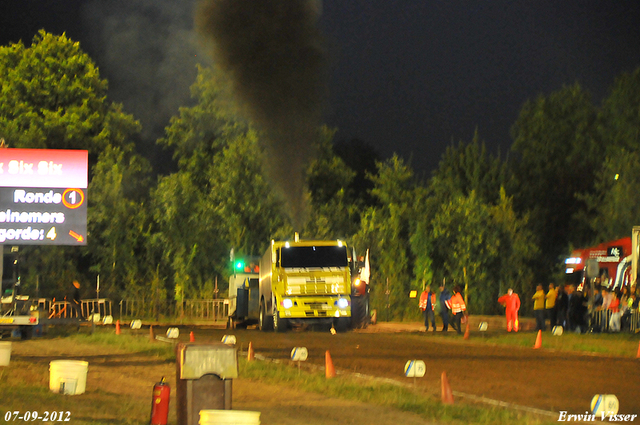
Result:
x=570 y=306
x=562 y=302
x=550 y=305
x=428 y=304
x=606 y=298
x=511 y=301
x=458 y=308
x=625 y=317
x=597 y=298
x=577 y=311
x=76 y=305
x=614 y=307
x=445 y=306
x=538 y=308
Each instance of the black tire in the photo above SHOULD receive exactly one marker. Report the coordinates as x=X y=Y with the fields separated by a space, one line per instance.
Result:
x=360 y=312
x=265 y=322
x=342 y=324
x=279 y=324
x=26 y=332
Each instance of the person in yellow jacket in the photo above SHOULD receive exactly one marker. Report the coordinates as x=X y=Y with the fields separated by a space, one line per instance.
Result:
x=550 y=305
x=538 y=308
x=458 y=309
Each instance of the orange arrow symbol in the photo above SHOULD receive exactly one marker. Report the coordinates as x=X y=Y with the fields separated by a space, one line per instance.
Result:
x=76 y=236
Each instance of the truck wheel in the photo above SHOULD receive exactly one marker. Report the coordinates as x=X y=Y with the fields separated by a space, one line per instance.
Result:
x=360 y=312
x=279 y=324
x=342 y=324
x=26 y=332
x=264 y=324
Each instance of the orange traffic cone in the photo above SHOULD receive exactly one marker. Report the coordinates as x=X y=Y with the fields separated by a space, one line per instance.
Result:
x=447 y=394
x=117 y=327
x=250 y=355
x=538 y=343
x=191 y=337
x=330 y=372
x=466 y=332
x=638 y=355
x=152 y=337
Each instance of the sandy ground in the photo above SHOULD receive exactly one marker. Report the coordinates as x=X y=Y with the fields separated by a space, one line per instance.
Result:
x=520 y=378
x=111 y=371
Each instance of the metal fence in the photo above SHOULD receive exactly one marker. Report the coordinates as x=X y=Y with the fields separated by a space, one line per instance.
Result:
x=628 y=321
x=207 y=309
x=101 y=306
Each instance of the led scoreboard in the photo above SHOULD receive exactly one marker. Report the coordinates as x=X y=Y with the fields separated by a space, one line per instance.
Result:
x=43 y=197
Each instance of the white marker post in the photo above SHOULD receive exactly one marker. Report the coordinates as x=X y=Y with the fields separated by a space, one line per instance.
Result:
x=415 y=369
x=482 y=327
x=229 y=339
x=299 y=354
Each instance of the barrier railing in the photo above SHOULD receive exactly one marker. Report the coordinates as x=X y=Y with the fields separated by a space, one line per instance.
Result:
x=206 y=309
x=63 y=310
x=628 y=321
x=101 y=306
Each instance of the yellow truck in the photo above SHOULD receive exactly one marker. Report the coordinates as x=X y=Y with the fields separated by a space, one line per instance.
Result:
x=305 y=282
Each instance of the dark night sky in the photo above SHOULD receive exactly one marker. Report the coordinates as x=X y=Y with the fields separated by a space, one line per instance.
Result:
x=408 y=76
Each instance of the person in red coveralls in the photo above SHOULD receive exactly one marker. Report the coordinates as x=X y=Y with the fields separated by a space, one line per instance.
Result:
x=511 y=301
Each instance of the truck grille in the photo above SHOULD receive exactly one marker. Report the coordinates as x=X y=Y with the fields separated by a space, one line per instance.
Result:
x=316 y=286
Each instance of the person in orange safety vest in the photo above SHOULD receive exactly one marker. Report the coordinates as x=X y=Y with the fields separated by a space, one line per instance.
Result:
x=427 y=305
x=511 y=301
x=458 y=308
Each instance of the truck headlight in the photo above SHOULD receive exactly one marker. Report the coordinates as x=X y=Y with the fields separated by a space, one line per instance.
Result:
x=287 y=303
x=343 y=303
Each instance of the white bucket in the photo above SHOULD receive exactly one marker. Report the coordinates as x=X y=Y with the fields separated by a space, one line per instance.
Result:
x=229 y=417
x=5 y=353
x=68 y=376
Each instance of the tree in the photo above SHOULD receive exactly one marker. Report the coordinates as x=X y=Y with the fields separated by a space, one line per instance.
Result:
x=467 y=168
x=613 y=207
x=386 y=230
x=245 y=204
x=119 y=222
x=334 y=208
x=619 y=116
x=52 y=96
x=482 y=247
x=218 y=199
x=557 y=154
x=360 y=157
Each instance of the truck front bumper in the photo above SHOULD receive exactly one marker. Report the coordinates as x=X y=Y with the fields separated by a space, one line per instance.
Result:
x=315 y=307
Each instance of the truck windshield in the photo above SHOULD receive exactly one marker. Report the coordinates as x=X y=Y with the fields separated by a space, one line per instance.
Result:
x=314 y=256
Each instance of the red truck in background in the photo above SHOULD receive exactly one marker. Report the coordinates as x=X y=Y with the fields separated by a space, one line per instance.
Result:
x=613 y=258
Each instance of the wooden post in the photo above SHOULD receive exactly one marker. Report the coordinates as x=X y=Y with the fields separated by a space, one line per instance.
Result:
x=466 y=286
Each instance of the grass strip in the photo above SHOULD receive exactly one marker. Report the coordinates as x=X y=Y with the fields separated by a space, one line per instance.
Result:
x=381 y=394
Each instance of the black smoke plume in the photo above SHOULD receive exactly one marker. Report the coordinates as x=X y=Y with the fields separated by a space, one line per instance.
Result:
x=274 y=54
x=147 y=50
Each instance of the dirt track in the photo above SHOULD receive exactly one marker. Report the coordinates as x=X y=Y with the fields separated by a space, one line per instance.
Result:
x=125 y=382
x=541 y=379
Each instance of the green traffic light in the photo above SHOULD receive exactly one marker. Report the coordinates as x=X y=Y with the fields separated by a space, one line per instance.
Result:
x=239 y=265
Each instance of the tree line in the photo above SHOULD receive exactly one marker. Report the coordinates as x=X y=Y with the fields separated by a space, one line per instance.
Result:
x=480 y=220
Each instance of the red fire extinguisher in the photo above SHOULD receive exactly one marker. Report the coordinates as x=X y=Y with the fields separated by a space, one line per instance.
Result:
x=160 y=403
